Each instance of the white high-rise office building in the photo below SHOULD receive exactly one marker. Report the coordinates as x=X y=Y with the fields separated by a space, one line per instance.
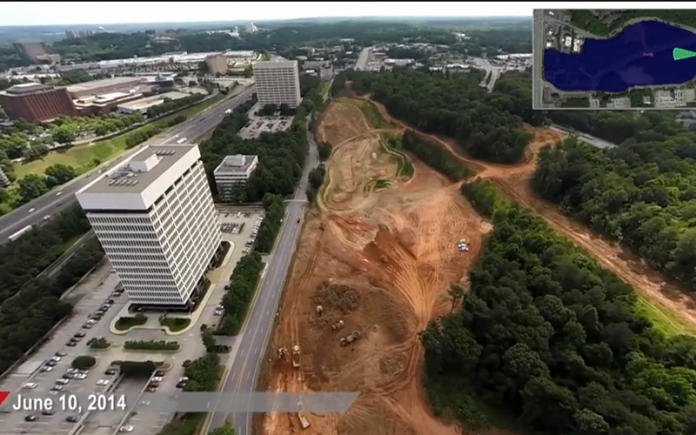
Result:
x=155 y=218
x=250 y=28
x=278 y=83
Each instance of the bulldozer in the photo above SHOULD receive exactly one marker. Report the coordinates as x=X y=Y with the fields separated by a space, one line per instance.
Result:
x=283 y=353
x=345 y=341
x=319 y=310
x=337 y=326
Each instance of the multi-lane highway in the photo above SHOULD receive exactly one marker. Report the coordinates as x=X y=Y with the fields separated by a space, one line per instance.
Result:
x=56 y=200
x=254 y=339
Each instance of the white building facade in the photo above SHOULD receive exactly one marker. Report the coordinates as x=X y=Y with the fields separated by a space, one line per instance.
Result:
x=278 y=83
x=155 y=218
x=232 y=172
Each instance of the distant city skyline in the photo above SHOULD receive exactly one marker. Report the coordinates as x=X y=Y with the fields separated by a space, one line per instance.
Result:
x=103 y=13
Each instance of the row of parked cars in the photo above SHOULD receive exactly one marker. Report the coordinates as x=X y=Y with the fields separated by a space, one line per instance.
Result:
x=254 y=232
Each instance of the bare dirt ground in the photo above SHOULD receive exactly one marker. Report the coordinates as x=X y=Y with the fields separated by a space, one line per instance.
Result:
x=514 y=183
x=380 y=262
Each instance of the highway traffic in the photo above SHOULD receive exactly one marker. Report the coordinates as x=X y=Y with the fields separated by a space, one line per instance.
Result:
x=34 y=212
x=254 y=339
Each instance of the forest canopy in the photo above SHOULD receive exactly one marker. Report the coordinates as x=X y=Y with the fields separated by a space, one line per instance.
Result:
x=481 y=123
x=549 y=333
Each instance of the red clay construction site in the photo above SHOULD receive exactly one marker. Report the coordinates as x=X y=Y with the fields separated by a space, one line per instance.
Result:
x=373 y=267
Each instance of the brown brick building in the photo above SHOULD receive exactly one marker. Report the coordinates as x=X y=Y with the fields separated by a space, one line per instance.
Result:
x=36 y=102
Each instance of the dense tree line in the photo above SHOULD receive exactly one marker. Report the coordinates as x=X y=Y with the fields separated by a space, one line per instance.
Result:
x=237 y=298
x=556 y=339
x=435 y=156
x=272 y=221
x=316 y=179
x=29 y=303
x=172 y=105
x=203 y=373
x=642 y=194
x=457 y=108
x=324 y=150
x=141 y=135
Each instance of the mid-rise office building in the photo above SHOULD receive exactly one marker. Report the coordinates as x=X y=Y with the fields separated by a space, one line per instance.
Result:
x=217 y=64
x=36 y=102
x=232 y=172
x=155 y=218
x=278 y=83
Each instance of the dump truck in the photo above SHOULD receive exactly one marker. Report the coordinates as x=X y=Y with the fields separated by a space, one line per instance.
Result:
x=296 y=356
x=337 y=326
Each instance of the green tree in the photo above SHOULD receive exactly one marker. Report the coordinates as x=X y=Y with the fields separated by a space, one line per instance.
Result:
x=456 y=292
x=227 y=429
x=31 y=186
x=84 y=362
x=59 y=174
x=209 y=340
x=63 y=135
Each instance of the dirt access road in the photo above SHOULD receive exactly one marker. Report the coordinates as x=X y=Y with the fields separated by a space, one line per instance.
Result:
x=674 y=303
x=380 y=261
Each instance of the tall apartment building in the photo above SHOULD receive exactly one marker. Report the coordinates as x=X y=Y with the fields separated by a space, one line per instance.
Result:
x=155 y=218
x=278 y=83
x=232 y=172
x=36 y=102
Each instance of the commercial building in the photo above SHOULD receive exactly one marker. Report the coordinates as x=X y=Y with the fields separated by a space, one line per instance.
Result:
x=103 y=104
x=30 y=51
x=154 y=216
x=105 y=86
x=142 y=104
x=278 y=83
x=217 y=64
x=250 y=28
x=36 y=102
x=233 y=171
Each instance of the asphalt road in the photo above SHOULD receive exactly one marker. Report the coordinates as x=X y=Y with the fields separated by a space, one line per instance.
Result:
x=56 y=200
x=247 y=361
x=590 y=140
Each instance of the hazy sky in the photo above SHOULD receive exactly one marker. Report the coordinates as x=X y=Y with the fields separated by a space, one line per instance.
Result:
x=41 y=13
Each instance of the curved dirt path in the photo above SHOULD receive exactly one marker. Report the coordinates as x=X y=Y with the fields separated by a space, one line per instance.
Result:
x=513 y=181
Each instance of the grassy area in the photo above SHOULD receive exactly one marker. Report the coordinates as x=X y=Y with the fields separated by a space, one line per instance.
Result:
x=175 y=324
x=377 y=184
x=374 y=118
x=404 y=167
x=125 y=323
x=637 y=96
x=576 y=102
x=662 y=318
x=324 y=88
x=85 y=157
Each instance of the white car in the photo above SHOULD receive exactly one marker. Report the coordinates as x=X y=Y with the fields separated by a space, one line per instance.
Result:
x=46 y=369
x=72 y=370
x=31 y=210
x=62 y=381
x=102 y=382
x=126 y=429
x=183 y=379
x=157 y=379
x=60 y=192
x=30 y=386
x=145 y=402
x=80 y=376
x=55 y=358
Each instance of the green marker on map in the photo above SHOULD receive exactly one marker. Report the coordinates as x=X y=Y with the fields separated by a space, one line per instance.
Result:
x=681 y=54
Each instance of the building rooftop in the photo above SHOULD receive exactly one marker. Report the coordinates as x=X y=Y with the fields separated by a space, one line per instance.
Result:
x=236 y=164
x=140 y=171
x=26 y=88
x=81 y=87
x=154 y=100
x=284 y=64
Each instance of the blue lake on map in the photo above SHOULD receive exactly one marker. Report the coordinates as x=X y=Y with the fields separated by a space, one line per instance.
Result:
x=623 y=62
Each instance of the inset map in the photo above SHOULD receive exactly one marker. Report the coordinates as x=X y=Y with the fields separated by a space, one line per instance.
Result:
x=614 y=59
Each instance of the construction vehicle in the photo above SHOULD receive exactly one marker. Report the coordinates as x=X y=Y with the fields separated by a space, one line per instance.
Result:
x=319 y=310
x=337 y=326
x=345 y=341
x=296 y=356
x=283 y=353
x=304 y=421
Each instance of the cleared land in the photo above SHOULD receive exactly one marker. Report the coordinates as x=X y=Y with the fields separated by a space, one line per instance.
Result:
x=378 y=255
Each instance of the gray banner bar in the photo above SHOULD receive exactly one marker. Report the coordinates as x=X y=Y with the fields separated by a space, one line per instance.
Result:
x=227 y=403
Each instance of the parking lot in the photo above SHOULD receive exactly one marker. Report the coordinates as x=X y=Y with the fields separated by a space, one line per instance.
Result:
x=144 y=422
x=240 y=228
x=41 y=370
x=99 y=423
